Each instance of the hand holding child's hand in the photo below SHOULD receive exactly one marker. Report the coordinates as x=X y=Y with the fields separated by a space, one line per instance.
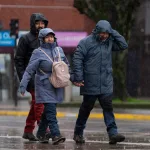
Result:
x=79 y=83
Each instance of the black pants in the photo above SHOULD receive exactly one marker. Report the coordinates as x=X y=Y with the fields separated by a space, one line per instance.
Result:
x=87 y=105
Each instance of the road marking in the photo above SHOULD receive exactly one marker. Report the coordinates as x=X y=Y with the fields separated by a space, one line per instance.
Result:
x=74 y=115
x=87 y=141
x=106 y=142
x=10 y=137
x=13 y=113
x=71 y=115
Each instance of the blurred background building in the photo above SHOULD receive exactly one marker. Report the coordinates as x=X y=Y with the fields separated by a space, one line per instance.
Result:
x=71 y=26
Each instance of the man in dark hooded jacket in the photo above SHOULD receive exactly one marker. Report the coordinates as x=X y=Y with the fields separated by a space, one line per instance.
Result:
x=27 y=43
x=92 y=68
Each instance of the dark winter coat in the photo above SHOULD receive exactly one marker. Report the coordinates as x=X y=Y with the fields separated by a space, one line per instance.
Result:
x=27 y=43
x=92 y=61
x=44 y=90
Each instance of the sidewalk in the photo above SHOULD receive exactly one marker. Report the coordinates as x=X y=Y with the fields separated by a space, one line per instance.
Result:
x=8 y=109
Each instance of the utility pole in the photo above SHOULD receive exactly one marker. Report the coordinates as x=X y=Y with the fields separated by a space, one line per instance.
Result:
x=14 y=27
x=1 y=96
x=14 y=30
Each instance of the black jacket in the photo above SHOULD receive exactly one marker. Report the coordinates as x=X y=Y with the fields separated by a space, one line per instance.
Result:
x=27 y=43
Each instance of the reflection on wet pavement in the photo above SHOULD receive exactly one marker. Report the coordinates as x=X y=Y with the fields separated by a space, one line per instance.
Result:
x=136 y=132
x=10 y=143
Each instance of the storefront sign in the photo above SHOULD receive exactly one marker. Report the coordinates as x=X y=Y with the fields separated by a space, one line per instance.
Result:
x=6 y=40
x=65 y=39
x=69 y=39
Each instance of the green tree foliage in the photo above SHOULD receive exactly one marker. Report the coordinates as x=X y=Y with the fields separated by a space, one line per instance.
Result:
x=120 y=13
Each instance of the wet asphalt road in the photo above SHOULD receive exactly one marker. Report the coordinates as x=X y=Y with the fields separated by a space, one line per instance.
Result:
x=137 y=135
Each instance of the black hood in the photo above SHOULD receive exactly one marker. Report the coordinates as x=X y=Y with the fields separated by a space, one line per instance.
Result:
x=37 y=17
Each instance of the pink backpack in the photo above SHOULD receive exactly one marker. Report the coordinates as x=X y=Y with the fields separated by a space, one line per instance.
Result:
x=60 y=76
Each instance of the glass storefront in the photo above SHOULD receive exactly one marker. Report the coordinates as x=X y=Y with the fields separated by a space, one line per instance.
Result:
x=5 y=77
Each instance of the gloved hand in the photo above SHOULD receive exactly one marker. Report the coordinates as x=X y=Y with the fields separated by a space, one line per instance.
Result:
x=22 y=90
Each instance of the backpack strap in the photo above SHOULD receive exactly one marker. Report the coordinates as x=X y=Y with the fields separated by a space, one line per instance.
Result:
x=59 y=58
x=48 y=57
x=46 y=54
x=42 y=71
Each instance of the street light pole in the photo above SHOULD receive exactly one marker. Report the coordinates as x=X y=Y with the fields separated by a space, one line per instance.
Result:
x=1 y=96
x=0 y=86
x=14 y=29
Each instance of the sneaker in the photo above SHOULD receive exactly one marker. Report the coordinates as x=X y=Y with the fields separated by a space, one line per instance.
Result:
x=79 y=139
x=58 y=139
x=29 y=136
x=43 y=139
x=116 y=138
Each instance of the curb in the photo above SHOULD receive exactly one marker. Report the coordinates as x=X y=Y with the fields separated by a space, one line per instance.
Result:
x=115 y=105
x=92 y=115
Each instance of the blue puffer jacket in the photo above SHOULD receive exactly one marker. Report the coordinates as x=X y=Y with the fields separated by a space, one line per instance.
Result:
x=44 y=90
x=92 y=61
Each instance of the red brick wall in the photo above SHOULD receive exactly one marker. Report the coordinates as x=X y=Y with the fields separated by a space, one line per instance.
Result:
x=61 y=14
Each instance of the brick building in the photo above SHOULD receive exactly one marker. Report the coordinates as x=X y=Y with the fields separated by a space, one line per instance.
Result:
x=61 y=14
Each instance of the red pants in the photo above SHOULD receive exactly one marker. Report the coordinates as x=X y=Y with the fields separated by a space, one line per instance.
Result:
x=34 y=115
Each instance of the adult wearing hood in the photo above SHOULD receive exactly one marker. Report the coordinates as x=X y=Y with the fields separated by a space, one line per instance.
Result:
x=92 y=68
x=27 y=43
x=44 y=91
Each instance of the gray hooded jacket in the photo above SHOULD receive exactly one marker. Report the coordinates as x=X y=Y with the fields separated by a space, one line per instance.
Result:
x=92 y=61
x=44 y=90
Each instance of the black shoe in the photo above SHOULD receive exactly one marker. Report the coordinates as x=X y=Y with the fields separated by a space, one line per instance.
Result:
x=43 y=139
x=79 y=139
x=58 y=139
x=29 y=136
x=116 y=138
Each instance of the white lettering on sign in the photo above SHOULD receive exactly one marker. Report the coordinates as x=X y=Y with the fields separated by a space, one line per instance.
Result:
x=6 y=35
x=6 y=40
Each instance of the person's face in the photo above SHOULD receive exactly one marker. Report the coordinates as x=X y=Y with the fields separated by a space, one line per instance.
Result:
x=39 y=25
x=49 y=38
x=103 y=35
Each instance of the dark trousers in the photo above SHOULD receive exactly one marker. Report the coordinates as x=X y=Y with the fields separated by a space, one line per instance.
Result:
x=87 y=105
x=34 y=115
x=49 y=119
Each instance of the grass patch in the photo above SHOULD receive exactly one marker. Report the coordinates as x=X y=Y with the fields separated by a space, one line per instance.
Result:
x=131 y=101
x=117 y=103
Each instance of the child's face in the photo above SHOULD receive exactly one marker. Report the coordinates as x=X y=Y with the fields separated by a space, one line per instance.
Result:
x=103 y=35
x=49 y=38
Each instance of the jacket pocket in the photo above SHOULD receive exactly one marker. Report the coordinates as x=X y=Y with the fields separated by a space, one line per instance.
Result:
x=109 y=77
